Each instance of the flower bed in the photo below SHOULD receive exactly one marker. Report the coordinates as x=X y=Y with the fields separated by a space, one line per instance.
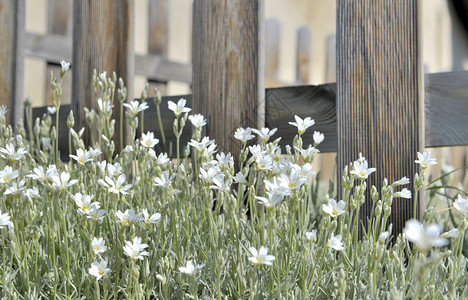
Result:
x=139 y=225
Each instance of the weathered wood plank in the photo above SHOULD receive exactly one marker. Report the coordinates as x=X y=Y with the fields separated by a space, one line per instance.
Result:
x=12 y=22
x=226 y=60
x=304 y=39
x=102 y=39
x=59 y=23
x=379 y=93
x=54 y=48
x=330 y=72
x=444 y=126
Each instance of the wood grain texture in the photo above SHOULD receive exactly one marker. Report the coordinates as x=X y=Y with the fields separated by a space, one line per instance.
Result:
x=304 y=40
x=444 y=126
x=226 y=83
x=12 y=22
x=59 y=22
x=379 y=99
x=103 y=34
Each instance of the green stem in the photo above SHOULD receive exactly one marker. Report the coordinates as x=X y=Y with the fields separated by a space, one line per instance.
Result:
x=161 y=128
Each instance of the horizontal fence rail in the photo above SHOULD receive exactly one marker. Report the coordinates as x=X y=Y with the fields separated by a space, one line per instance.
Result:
x=446 y=111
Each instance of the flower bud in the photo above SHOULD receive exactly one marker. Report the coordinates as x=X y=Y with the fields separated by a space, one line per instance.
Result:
x=374 y=194
x=157 y=96
x=70 y=120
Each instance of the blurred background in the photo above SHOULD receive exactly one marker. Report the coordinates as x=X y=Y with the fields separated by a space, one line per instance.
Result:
x=300 y=43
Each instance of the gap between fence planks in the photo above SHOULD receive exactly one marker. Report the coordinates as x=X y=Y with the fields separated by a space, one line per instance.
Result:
x=446 y=112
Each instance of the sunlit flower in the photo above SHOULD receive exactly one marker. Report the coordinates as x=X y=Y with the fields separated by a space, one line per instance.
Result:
x=104 y=106
x=117 y=186
x=301 y=124
x=153 y=219
x=98 y=245
x=404 y=193
x=383 y=237
x=265 y=133
x=128 y=218
x=294 y=181
x=148 y=140
x=243 y=135
x=65 y=66
x=135 y=107
x=318 y=138
x=82 y=156
x=83 y=202
x=135 y=249
x=309 y=153
x=240 y=178
x=178 y=108
x=424 y=237
x=404 y=180
x=15 y=188
x=3 y=111
x=5 y=220
x=221 y=184
x=162 y=159
x=190 y=268
x=10 y=153
x=461 y=204
x=51 y=110
x=31 y=193
x=114 y=170
x=99 y=269
x=453 y=234
x=311 y=236
x=334 y=208
x=361 y=170
x=261 y=256
x=271 y=201
x=63 y=182
x=335 y=242
x=8 y=174
x=197 y=120
x=425 y=160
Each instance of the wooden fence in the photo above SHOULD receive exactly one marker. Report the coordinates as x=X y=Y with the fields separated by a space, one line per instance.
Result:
x=382 y=105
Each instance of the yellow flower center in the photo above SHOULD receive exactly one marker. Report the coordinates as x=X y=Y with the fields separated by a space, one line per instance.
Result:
x=362 y=173
x=81 y=161
x=84 y=208
x=101 y=272
x=335 y=212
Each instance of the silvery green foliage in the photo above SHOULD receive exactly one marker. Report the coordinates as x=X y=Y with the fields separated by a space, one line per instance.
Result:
x=138 y=225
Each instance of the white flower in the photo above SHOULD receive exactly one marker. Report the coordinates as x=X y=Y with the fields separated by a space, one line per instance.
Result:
x=383 y=237
x=95 y=213
x=31 y=193
x=221 y=184
x=404 y=193
x=83 y=202
x=153 y=219
x=148 y=140
x=361 y=170
x=164 y=180
x=8 y=174
x=404 y=180
x=162 y=159
x=98 y=245
x=105 y=106
x=424 y=237
x=47 y=142
x=179 y=107
x=117 y=186
x=271 y=200
x=103 y=76
x=425 y=160
x=135 y=107
x=128 y=149
x=135 y=250
x=65 y=66
x=274 y=186
x=243 y=134
x=99 y=269
x=15 y=188
x=311 y=236
x=63 y=182
x=5 y=220
x=223 y=160
x=333 y=208
x=114 y=170
x=335 y=242
x=318 y=137
x=461 y=204
x=190 y=268
x=210 y=174
x=261 y=256
x=51 y=109
x=302 y=125
x=82 y=156
x=197 y=120
x=129 y=217
x=10 y=153
x=240 y=178
x=454 y=233
x=294 y=181
x=309 y=153
x=3 y=111
x=265 y=133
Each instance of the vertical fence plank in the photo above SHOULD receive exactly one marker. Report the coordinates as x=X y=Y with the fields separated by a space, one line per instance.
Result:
x=158 y=35
x=379 y=92
x=304 y=39
x=12 y=22
x=103 y=40
x=227 y=67
x=330 y=72
x=272 y=49
x=59 y=23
